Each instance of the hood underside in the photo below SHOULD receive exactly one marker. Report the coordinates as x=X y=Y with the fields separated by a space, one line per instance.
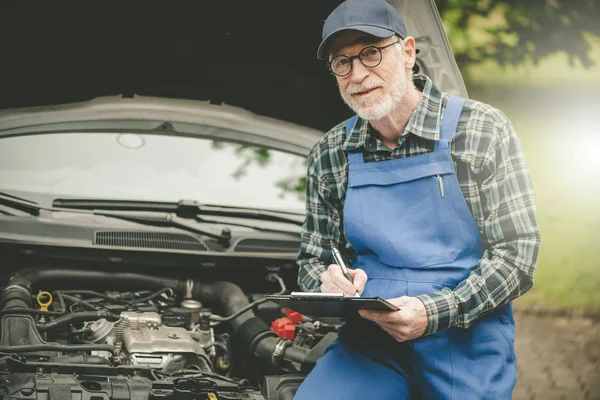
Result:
x=257 y=55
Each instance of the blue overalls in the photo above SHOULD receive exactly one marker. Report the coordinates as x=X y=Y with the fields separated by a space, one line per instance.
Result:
x=414 y=234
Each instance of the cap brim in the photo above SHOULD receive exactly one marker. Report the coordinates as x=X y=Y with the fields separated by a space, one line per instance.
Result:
x=323 y=50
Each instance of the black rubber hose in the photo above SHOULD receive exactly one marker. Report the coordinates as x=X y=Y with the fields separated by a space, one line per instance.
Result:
x=30 y=311
x=239 y=312
x=77 y=300
x=75 y=317
x=93 y=293
x=266 y=346
x=61 y=301
x=228 y=295
x=65 y=348
x=257 y=338
x=67 y=277
x=295 y=353
x=15 y=297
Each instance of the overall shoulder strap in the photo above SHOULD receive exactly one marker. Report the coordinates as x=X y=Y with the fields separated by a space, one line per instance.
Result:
x=450 y=121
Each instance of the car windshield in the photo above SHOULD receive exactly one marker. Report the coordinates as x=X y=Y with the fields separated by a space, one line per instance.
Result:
x=152 y=167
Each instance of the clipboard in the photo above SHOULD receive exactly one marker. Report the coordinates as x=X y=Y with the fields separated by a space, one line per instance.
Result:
x=330 y=304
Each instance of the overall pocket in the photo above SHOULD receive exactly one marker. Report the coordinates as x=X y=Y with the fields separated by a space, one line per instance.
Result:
x=412 y=224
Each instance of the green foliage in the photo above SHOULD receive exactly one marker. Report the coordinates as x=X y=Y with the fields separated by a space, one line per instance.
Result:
x=514 y=31
x=293 y=185
x=253 y=155
x=248 y=155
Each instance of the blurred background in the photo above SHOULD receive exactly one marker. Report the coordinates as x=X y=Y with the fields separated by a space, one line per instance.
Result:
x=539 y=62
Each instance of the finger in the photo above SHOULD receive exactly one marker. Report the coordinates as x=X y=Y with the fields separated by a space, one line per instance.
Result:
x=360 y=279
x=374 y=316
x=339 y=279
x=327 y=285
x=325 y=282
x=399 y=301
x=394 y=332
x=325 y=277
x=393 y=327
x=394 y=317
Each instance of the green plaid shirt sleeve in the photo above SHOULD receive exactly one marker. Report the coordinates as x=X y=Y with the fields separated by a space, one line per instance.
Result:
x=322 y=226
x=510 y=234
x=490 y=167
x=315 y=238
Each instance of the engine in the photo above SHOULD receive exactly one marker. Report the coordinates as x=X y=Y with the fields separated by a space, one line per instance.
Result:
x=167 y=338
x=140 y=338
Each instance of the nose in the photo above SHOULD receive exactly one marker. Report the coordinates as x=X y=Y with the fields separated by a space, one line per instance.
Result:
x=359 y=71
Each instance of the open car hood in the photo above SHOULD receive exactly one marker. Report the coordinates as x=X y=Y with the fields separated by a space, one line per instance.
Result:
x=256 y=55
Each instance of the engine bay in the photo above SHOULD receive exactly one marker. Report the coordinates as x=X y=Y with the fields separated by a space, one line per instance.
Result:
x=106 y=334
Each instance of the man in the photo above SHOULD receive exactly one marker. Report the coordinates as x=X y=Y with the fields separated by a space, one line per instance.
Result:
x=429 y=196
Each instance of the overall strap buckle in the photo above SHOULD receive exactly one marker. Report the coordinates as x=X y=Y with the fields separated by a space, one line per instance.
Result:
x=450 y=122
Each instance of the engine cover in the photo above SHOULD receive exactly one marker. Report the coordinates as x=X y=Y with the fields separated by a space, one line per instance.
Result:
x=164 y=347
x=163 y=339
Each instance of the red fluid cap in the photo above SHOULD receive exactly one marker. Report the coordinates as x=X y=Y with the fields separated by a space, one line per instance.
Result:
x=296 y=317
x=284 y=327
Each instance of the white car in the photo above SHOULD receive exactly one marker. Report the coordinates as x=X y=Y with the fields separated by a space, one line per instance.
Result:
x=152 y=164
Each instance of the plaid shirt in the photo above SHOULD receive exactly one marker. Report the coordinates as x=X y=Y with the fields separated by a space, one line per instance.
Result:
x=490 y=167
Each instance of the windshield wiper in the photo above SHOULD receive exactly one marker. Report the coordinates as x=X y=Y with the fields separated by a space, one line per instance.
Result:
x=170 y=219
x=20 y=204
x=165 y=219
x=183 y=208
x=160 y=218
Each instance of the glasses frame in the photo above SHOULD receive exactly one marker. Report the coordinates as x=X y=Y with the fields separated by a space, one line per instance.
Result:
x=352 y=58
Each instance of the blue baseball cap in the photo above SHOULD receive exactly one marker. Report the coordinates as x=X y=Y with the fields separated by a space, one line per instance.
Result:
x=375 y=17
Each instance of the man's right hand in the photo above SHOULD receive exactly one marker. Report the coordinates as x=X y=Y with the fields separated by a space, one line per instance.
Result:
x=333 y=280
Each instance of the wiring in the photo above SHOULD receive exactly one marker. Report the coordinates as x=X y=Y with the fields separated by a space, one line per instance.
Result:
x=77 y=300
x=218 y=319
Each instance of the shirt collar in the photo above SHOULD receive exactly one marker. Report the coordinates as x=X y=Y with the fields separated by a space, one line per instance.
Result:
x=424 y=121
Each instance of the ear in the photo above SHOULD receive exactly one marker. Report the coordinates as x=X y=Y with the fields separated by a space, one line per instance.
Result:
x=410 y=52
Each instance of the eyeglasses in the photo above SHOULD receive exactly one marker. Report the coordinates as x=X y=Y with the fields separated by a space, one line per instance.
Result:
x=370 y=57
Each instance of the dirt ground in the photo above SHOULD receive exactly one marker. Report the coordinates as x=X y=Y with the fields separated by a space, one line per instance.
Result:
x=558 y=357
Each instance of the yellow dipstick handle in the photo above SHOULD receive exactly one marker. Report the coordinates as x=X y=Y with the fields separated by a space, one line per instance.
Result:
x=44 y=306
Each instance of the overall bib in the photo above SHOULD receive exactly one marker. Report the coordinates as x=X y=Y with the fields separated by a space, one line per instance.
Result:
x=414 y=234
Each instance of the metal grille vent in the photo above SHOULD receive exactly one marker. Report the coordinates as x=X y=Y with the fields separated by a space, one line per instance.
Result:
x=267 y=246
x=149 y=240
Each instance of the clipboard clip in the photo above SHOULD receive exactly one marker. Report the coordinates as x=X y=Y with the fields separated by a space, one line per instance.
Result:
x=322 y=294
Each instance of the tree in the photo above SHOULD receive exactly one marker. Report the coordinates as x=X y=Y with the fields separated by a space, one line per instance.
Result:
x=514 y=31
x=508 y=32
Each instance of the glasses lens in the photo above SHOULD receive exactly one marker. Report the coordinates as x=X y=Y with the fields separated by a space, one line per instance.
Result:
x=341 y=65
x=370 y=56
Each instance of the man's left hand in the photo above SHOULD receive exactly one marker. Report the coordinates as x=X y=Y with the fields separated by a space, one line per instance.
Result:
x=410 y=322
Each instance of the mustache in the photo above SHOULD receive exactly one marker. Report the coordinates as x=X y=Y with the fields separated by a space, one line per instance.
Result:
x=354 y=88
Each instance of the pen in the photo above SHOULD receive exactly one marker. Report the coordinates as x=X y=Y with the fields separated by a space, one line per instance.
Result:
x=337 y=256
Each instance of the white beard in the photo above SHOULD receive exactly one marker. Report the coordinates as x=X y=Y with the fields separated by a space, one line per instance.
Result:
x=377 y=105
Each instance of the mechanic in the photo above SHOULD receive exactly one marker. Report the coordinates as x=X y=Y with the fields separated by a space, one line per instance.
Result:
x=429 y=197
